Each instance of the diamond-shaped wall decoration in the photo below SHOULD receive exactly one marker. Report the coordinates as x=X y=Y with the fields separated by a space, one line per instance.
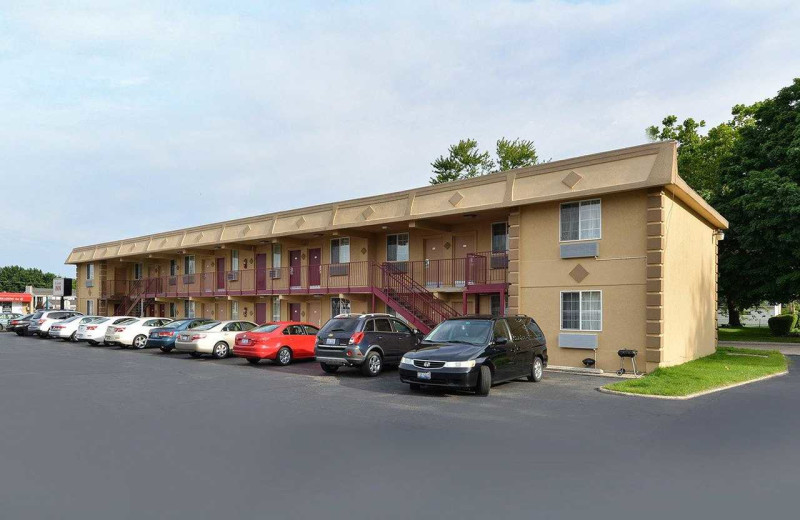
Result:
x=363 y=250
x=579 y=273
x=300 y=222
x=456 y=198
x=246 y=230
x=571 y=179
x=199 y=237
x=164 y=242
x=447 y=245
x=368 y=212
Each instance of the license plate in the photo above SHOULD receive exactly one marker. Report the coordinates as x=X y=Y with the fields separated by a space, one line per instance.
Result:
x=184 y=337
x=245 y=342
x=331 y=341
x=423 y=375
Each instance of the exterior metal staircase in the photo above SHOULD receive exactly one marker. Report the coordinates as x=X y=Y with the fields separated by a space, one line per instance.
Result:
x=412 y=301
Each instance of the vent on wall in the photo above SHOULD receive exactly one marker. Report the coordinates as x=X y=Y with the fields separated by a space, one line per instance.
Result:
x=580 y=250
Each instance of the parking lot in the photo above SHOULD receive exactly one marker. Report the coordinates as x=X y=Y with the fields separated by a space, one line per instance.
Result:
x=97 y=432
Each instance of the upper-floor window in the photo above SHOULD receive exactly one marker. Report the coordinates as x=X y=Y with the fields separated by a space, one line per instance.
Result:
x=581 y=310
x=137 y=271
x=499 y=237
x=340 y=250
x=173 y=267
x=235 y=260
x=276 y=255
x=188 y=266
x=90 y=271
x=580 y=220
x=397 y=247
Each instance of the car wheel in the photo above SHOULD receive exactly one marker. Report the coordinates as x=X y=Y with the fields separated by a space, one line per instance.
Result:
x=120 y=345
x=484 y=381
x=329 y=369
x=372 y=364
x=92 y=343
x=253 y=360
x=2 y=328
x=415 y=387
x=284 y=356
x=140 y=341
x=220 y=350
x=74 y=337
x=166 y=350
x=537 y=370
x=195 y=354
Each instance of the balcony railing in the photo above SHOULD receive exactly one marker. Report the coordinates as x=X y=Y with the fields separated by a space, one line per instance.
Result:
x=473 y=272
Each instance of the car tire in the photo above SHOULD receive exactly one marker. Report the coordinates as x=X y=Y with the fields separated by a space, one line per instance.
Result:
x=221 y=350
x=415 y=387
x=284 y=356
x=484 y=381
x=372 y=365
x=74 y=337
x=140 y=341
x=92 y=343
x=2 y=328
x=121 y=345
x=253 y=360
x=537 y=370
x=195 y=354
x=166 y=350
x=329 y=369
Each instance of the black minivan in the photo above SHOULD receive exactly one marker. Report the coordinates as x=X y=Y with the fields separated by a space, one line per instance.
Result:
x=367 y=341
x=474 y=352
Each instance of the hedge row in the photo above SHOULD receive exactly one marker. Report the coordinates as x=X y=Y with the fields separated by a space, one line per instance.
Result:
x=782 y=325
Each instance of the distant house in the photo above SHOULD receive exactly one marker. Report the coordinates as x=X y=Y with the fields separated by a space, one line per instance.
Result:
x=753 y=317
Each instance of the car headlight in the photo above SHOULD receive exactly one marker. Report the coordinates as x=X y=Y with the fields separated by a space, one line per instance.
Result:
x=406 y=361
x=459 y=364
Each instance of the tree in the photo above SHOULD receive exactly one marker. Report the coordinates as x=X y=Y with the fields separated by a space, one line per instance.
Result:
x=465 y=160
x=14 y=278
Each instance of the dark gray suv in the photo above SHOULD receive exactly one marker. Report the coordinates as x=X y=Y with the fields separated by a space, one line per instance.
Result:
x=367 y=341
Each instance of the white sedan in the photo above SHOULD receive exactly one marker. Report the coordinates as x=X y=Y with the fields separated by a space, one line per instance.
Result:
x=95 y=332
x=68 y=329
x=215 y=338
x=133 y=333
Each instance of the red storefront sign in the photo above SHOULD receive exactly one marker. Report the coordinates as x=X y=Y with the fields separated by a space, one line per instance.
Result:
x=15 y=297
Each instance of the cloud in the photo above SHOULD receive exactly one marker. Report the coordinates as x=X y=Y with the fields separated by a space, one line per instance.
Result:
x=121 y=119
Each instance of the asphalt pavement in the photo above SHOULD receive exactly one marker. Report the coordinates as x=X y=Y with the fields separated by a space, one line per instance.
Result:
x=97 y=432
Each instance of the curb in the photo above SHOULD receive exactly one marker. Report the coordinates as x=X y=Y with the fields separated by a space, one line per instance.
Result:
x=692 y=396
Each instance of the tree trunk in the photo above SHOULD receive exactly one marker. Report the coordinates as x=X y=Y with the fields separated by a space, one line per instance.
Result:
x=733 y=314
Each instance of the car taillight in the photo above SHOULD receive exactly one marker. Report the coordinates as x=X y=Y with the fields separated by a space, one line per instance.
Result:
x=119 y=329
x=91 y=327
x=356 y=338
x=198 y=336
x=166 y=334
x=41 y=321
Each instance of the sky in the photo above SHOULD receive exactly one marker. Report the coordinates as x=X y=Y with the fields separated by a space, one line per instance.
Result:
x=120 y=119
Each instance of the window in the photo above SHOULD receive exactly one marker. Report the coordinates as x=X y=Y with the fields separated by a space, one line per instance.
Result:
x=397 y=247
x=246 y=325
x=383 y=325
x=499 y=237
x=188 y=264
x=173 y=267
x=137 y=271
x=235 y=260
x=534 y=329
x=494 y=305
x=369 y=326
x=173 y=309
x=90 y=271
x=276 y=308
x=90 y=306
x=340 y=250
x=311 y=331
x=276 y=255
x=340 y=306
x=580 y=220
x=401 y=327
x=233 y=327
x=518 y=330
x=501 y=330
x=582 y=310
x=188 y=309
x=234 y=310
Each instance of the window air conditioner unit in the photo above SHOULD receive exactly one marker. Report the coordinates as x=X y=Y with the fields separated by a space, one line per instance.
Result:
x=233 y=276
x=274 y=273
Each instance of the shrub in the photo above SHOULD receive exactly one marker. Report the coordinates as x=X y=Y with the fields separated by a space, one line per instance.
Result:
x=782 y=325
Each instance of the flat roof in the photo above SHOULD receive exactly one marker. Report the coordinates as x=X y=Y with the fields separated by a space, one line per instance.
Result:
x=637 y=167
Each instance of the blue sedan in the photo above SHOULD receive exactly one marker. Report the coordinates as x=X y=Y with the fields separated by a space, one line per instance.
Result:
x=164 y=337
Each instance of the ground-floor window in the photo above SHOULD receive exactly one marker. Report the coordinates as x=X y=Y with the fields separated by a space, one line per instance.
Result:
x=582 y=310
x=234 y=310
x=90 y=307
x=188 y=309
x=340 y=306
x=276 y=308
x=173 y=310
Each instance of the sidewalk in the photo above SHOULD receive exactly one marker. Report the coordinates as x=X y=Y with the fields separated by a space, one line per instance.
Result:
x=787 y=349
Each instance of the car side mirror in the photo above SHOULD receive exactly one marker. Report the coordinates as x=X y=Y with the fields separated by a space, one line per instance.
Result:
x=501 y=340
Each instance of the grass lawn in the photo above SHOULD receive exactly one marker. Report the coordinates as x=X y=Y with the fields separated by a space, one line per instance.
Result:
x=753 y=334
x=726 y=366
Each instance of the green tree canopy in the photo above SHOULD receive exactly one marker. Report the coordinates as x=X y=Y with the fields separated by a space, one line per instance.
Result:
x=465 y=160
x=14 y=278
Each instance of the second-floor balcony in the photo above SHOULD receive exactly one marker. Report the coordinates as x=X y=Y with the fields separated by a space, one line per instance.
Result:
x=475 y=273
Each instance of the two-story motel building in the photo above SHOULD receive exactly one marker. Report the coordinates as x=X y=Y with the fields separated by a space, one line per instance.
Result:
x=606 y=251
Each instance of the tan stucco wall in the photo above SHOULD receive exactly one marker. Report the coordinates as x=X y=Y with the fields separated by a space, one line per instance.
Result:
x=619 y=272
x=689 y=285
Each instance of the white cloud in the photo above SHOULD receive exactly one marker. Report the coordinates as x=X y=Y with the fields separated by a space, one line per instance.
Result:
x=153 y=118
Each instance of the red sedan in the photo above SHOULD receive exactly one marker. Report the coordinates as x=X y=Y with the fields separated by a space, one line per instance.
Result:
x=281 y=342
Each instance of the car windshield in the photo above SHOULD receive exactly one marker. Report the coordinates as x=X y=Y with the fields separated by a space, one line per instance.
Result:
x=126 y=321
x=37 y=315
x=176 y=324
x=347 y=325
x=71 y=319
x=269 y=327
x=471 y=332
x=101 y=320
x=207 y=326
